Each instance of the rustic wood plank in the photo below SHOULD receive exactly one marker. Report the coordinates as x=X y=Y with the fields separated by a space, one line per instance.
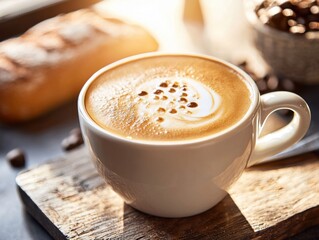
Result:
x=273 y=201
x=272 y=193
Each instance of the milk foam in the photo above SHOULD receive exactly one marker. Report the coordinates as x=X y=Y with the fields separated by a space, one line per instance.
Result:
x=168 y=98
x=170 y=106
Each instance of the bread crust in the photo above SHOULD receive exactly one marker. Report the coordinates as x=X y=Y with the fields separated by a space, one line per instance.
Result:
x=47 y=66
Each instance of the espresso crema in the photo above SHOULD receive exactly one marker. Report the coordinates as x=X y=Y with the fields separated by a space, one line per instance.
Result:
x=168 y=98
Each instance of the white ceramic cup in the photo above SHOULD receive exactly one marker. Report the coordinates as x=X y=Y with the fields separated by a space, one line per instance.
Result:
x=184 y=178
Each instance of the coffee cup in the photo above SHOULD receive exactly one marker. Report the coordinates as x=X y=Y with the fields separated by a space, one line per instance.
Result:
x=170 y=133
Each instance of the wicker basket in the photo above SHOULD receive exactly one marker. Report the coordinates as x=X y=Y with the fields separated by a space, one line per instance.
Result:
x=288 y=55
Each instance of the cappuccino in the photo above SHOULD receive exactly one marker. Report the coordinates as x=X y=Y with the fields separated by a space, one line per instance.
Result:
x=168 y=98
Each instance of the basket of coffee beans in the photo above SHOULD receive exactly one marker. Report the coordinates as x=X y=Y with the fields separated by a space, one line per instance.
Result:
x=286 y=33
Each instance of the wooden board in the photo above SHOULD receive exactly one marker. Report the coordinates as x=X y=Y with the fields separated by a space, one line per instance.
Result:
x=272 y=201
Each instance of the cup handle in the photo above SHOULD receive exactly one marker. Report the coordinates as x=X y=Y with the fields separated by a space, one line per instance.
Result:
x=279 y=140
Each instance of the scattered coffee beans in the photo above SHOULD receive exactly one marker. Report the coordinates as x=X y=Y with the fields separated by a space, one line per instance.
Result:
x=269 y=82
x=72 y=141
x=294 y=16
x=16 y=158
x=288 y=85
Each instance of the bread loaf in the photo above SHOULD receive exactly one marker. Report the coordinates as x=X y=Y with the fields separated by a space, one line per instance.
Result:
x=48 y=65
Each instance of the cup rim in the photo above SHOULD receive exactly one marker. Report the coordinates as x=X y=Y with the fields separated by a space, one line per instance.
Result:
x=232 y=130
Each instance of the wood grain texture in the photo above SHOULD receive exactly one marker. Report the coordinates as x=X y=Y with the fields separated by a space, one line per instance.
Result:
x=273 y=201
x=270 y=194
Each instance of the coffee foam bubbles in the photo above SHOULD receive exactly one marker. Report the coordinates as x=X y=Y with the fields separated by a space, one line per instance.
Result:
x=174 y=103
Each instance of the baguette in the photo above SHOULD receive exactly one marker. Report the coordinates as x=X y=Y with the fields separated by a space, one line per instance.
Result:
x=47 y=66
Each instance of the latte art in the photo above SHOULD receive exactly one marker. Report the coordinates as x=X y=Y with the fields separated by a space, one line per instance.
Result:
x=168 y=98
x=175 y=103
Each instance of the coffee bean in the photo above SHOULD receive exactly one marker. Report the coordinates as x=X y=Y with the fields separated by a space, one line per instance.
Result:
x=288 y=13
x=277 y=19
x=288 y=85
x=16 y=158
x=314 y=10
x=293 y=16
x=262 y=86
x=73 y=141
x=298 y=29
x=264 y=18
x=292 y=22
x=314 y=26
x=272 y=83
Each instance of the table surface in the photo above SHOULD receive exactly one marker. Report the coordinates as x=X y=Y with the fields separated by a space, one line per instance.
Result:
x=41 y=138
